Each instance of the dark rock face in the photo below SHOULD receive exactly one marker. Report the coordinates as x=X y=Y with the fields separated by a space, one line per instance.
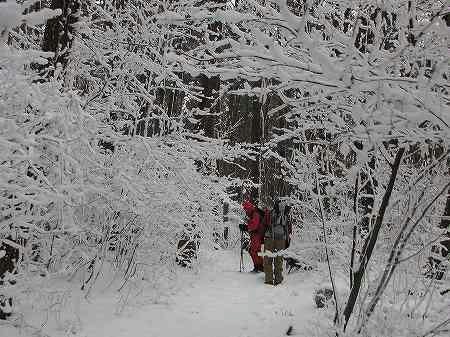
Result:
x=322 y=297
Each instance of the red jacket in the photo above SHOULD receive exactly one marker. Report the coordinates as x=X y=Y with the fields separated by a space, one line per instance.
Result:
x=254 y=222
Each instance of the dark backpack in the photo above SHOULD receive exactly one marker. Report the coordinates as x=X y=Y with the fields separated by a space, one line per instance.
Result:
x=280 y=226
x=264 y=216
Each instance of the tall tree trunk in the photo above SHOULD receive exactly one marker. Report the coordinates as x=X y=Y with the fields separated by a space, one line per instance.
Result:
x=207 y=104
x=445 y=225
x=437 y=269
x=211 y=85
x=369 y=245
x=59 y=31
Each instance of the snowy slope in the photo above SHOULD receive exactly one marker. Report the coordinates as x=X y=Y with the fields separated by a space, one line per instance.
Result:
x=219 y=301
x=222 y=303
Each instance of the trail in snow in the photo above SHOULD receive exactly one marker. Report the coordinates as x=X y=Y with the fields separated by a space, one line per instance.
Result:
x=221 y=303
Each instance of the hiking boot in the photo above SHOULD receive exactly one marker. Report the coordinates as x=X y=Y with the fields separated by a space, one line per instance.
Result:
x=257 y=269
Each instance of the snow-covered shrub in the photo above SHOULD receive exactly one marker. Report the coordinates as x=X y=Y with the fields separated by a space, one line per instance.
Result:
x=157 y=170
x=46 y=149
x=74 y=208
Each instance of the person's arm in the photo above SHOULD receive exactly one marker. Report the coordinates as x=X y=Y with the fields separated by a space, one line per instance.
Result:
x=253 y=224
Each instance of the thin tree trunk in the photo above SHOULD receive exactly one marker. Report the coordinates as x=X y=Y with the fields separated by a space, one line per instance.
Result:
x=444 y=248
x=322 y=216
x=396 y=251
x=371 y=240
x=355 y=228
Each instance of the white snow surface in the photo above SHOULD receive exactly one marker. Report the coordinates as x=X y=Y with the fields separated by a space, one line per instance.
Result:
x=218 y=301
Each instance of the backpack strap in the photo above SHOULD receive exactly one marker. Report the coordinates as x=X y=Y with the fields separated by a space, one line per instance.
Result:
x=266 y=218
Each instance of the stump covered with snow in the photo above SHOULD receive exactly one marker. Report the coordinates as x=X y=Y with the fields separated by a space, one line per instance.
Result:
x=5 y=307
x=186 y=252
x=322 y=296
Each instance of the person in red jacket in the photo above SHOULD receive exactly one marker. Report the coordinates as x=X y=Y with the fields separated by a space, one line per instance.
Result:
x=254 y=225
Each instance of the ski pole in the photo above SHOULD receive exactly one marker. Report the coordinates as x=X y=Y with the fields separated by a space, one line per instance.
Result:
x=241 y=265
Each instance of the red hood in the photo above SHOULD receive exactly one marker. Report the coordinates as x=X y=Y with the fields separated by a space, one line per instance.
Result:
x=248 y=207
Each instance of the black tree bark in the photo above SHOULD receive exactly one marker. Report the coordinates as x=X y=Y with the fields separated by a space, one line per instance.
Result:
x=371 y=240
x=59 y=31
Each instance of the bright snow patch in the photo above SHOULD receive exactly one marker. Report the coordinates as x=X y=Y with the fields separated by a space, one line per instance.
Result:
x=219 y=301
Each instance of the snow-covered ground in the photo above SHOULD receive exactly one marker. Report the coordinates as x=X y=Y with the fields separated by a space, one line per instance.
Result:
x=218 y=301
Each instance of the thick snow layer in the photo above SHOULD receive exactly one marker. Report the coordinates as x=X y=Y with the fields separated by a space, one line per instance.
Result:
x=219 y=301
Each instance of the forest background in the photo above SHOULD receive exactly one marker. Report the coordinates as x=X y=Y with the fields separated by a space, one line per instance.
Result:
x=126 y=125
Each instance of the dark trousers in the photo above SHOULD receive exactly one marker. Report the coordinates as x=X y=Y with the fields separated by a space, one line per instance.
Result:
x=273 y=266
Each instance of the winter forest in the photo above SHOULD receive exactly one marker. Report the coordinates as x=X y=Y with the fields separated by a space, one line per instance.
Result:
x=132 y=131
